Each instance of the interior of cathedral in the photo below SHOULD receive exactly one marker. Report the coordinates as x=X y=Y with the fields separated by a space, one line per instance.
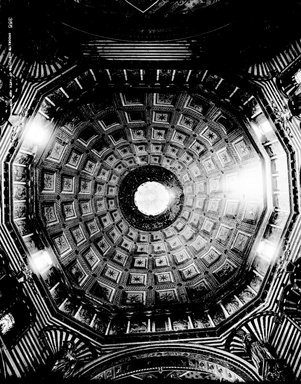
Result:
x=150 y=222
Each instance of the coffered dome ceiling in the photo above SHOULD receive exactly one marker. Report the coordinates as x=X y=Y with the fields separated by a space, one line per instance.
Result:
x=198 y=254
x=90 y=171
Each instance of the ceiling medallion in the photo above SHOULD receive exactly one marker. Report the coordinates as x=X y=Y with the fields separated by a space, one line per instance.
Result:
x=142 y=5
x=150 y=197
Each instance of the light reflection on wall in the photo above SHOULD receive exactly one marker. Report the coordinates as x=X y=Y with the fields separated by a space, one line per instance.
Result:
x=266 y=250
x=37 y=131
x=40 y=262
x=248 y=183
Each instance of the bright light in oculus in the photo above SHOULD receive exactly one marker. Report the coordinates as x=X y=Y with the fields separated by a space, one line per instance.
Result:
x=153 y=198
